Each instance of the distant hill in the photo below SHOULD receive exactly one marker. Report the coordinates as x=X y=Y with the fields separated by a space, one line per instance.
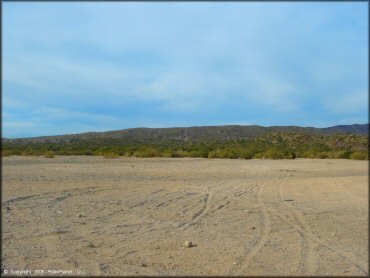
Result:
x=195 y=134
x=233 y=141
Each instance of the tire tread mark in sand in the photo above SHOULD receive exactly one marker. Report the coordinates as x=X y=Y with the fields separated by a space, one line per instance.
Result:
x=308 y=245
x=23 y=198
x=317 y=240
x=70 y=257
x=74 y=257
x=199 y=213
x=205 y=209
x=314 y=238
x=85 y=190
x=266 y=228
x=166 y=202
x=248 y=190
x=223 y=205
x=138 y=204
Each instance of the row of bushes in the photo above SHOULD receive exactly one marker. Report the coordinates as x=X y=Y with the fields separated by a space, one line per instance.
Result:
x=272 y=145
x=271 y=153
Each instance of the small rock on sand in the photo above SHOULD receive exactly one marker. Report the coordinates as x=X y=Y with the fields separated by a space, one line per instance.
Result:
x=188 y=244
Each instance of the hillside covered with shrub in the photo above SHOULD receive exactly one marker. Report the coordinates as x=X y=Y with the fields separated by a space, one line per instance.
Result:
x=257 y=142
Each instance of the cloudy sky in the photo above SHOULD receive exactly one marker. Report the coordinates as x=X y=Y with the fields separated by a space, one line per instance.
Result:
x=77 y=67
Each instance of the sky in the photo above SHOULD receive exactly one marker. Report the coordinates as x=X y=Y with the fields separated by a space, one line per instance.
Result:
x=94 y=66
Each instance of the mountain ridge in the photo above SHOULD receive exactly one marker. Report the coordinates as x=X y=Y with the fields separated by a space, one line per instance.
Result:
x=197 y=133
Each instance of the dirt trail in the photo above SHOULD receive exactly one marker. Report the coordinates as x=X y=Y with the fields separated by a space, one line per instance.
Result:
x=131 y=216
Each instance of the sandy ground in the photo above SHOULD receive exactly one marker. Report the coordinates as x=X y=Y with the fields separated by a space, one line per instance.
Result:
x=130 y=216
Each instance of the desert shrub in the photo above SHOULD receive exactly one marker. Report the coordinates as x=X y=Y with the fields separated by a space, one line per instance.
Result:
x=218 y=153
x=258 y=155
x=183 y=153
x=166 y=153
x=111 y=155
x=331 y=154
x=323 y=155
x=49 y=154
x=150 y=152
x=194 y=153
x=310 y=154
x=292 y=155
x=6 y=152
x=28 y=152
x=225 y=153
x=359 y=155
x=88 y=152
x=222 y=153
x=274 y=154
x=246 y=154
x=342 y=154
x=213 y=154
x=127 y=154
x=204 y=154
x=175 y=153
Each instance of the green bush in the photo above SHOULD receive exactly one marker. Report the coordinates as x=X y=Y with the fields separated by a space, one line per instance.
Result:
x=359 y=155
x=342 y=154
x=323 y=155
x=222 y=153
x=6 y=152
x=49 y=154
x=275 y=145
x=147 y=153
x=177 y=153
x=310 y=154
x=274 y=154
x=166 y=153
x=258 y=156
x=246 y=155
x=213 y=154
x=111 y=155
x=88 y=152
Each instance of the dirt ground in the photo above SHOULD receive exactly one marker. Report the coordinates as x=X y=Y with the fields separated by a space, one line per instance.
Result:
x=128 y=216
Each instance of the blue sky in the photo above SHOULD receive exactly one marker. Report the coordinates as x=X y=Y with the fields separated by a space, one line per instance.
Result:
x=77 y=67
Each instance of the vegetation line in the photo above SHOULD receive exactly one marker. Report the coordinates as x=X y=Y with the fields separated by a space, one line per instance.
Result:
x=272 y=145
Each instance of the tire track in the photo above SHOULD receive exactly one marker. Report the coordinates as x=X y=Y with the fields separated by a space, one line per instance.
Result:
x=347 y=257
x=309 y=259
x=247 y=258
x=54 y=244
x=209 y=205
x=249 y=189
x=200 y=213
